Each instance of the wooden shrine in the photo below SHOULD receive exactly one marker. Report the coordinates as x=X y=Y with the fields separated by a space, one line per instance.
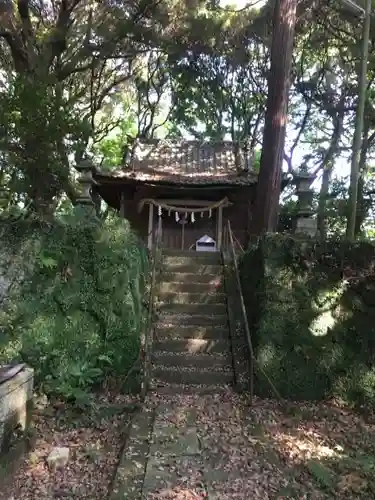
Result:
x=182 y=189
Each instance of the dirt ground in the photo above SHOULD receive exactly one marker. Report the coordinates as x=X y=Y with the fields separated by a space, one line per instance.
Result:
x=304 y=451
x=94 y=438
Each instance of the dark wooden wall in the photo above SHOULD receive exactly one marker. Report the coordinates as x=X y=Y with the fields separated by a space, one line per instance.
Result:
x=239 y=213
x=174 y=237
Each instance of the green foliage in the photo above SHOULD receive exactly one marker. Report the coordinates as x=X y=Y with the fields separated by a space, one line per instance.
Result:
x=214 y=96
x=311 y=309
x=77 y=315
x=111 y=147
x=39 y=130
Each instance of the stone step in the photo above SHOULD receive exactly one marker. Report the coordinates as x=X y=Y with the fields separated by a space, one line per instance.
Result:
x=193 y=345
x=198 y=258
x=178 y=331
x=194 y=320
x=191 y=298
x=173 y=389
x=212 y=310
x=192 y=278
x=193 y=268
x=182 y=359
x=182 y=287
x=181 y=375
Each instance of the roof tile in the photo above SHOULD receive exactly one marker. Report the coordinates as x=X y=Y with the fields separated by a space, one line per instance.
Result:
x=191 y=162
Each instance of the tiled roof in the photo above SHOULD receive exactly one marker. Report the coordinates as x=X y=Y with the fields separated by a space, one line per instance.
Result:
x=187 y=162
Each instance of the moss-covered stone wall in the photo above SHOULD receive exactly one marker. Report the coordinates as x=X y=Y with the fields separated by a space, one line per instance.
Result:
x=71 y=300
x=311 y=307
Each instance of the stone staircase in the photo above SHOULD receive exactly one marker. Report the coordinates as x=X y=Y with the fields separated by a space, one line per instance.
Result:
x=172 y=447
x=192 y=350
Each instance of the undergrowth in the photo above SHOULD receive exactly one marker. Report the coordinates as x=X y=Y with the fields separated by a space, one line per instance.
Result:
x=71 y=295
x=311 y=311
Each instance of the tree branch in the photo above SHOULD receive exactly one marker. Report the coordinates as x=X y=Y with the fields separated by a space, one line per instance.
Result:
x=24 y=12
x=57 y=42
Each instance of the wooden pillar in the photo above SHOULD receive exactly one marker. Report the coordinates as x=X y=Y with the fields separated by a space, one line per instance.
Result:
x=160 y=229
x=182 y=236
x=122 y=205
x=219 y=227
x=150 y=224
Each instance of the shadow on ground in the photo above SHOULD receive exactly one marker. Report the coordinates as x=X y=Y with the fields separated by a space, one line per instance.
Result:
x=264 y=452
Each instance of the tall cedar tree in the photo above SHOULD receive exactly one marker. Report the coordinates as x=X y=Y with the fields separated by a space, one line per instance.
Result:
x=268 y=190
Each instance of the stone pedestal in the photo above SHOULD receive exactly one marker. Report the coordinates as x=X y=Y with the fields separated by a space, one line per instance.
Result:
x=16 y=392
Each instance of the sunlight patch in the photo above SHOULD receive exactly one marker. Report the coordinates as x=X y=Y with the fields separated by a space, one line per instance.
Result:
x=267 y=354
x=196 y=345
x=328 y=300
x=321 y=325
x=305 y=448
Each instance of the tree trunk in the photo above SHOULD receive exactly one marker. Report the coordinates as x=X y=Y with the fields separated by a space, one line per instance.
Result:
x=361 y=211
x=269 y=182
x=328 y=163
x=362 y=206
x=323 y=196
x=357 y=139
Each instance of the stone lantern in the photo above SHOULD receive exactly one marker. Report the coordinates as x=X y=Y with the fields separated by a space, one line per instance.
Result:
x=3 y=197
x=85 y=168
x=306 y=222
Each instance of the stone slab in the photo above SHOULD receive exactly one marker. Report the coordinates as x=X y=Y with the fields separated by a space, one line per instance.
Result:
x=191 y=277
x=173 y=389
x=180 y=257
x=175 y=442
x=131 y=470
x=194 y=360
x=193 y=268
x=25 y=376
x=181 y=297
x=198 y=309
x=207 y=287
x=165 y=474
x=174 y=414
x=216 y=321
x=193 y=345
x=176 y=331
x=7 y=372
x=185 y=376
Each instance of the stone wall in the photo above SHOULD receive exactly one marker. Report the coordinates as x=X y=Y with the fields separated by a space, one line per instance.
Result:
x=71 y=296
x=311 y=311
x=15 y=260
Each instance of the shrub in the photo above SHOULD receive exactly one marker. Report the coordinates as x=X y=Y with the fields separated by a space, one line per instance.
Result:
x=311 y=310
x=74 y=306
